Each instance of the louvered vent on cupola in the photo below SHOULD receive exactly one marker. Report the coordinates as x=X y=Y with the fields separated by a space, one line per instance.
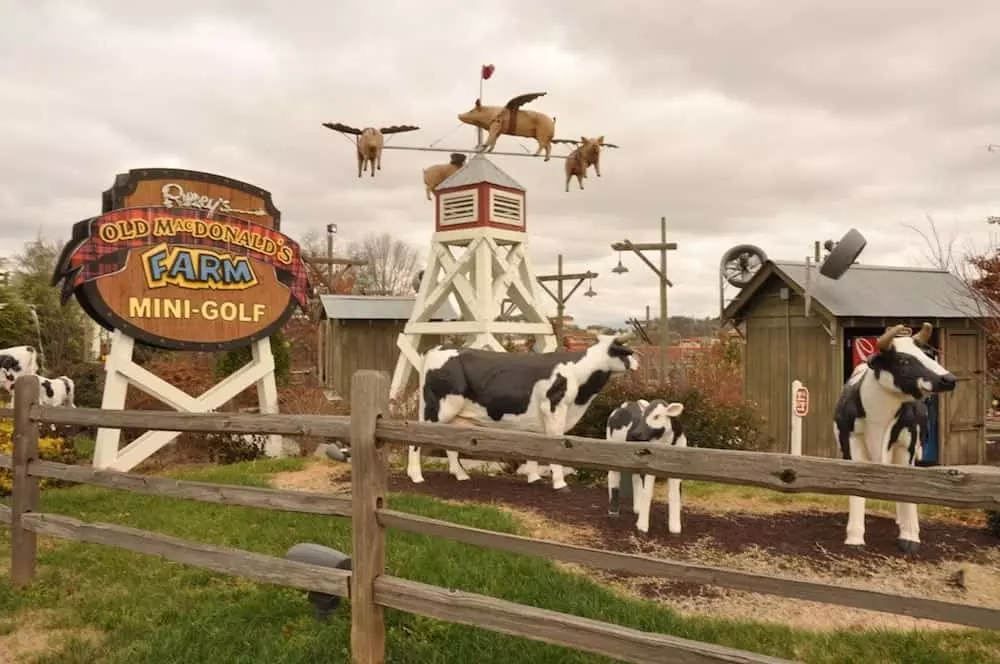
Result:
x=506 y=207
x=480 y=195
x=458 y=207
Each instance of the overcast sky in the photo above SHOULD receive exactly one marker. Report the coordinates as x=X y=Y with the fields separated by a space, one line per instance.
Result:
x=773 y=123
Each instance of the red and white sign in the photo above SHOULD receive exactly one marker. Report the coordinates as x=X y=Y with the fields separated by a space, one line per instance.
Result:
x=801 y=401
x=862 y=349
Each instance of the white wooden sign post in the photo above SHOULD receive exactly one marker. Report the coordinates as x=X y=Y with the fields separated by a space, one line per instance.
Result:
x=800 y=408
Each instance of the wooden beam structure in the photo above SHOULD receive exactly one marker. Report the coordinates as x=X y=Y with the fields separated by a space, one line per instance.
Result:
x=560 y=296
x=661 y=273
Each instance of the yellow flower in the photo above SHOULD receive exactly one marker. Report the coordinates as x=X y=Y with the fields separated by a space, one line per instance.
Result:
x=50 y=448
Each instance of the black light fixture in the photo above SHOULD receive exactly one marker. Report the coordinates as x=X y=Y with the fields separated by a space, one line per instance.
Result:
x=590 y=288
x=317 y=554
x=619 y=269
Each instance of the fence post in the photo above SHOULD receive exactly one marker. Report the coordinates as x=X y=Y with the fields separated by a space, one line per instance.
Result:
x=24 y=544
x=369 y=486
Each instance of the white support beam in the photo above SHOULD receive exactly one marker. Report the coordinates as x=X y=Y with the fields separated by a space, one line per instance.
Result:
x=122 y=371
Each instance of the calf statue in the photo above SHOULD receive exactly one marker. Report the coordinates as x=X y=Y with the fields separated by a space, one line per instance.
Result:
x=542 y=392
x=59 y=391
x=17 y=361
x=648 y=422
x=880 y=417
x=509 y=119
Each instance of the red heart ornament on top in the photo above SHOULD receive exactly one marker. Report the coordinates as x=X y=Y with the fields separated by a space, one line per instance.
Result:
x=487 y=71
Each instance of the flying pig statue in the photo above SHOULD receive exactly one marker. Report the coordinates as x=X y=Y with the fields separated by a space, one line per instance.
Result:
x=438 y=173
x=512 y=121
x=587 y=154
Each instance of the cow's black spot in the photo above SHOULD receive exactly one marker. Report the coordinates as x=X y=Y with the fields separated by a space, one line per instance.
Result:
x=628 y=416
x=10 y=363
x=631 y=415
x=594 y=383
x=848 y=410
x=556 y=392
x=911 y=417
x=617 y=349
x=676 y=427
x=47 y=386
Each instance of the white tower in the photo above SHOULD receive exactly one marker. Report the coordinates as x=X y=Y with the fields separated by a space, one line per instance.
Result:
x=479 y=253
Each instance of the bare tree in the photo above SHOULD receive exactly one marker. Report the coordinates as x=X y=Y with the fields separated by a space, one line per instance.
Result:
x=392 y=264
x=976 y=268
x=940 y=252
x=977 y=294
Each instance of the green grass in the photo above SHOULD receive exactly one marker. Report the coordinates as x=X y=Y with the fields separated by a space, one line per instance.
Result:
x=154 y=612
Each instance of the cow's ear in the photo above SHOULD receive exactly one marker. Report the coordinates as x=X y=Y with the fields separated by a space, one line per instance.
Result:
x=674 y=409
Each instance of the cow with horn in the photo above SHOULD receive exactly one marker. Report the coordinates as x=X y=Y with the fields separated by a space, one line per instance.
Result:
x=542 y=392
x=871 y=418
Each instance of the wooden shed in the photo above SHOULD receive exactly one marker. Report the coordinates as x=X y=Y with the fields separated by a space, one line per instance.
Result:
x=821 y=349
x=359 y=332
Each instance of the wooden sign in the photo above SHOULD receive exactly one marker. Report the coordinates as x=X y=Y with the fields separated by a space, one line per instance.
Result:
x=801 y=400
x=184 y=189
x=184 y=277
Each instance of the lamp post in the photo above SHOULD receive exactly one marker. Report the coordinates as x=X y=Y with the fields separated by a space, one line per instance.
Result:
x=661 y=272
x=331 y=232
x=560 y=296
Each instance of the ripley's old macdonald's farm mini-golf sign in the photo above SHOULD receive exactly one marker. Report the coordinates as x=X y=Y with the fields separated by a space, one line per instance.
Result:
x=182 y=274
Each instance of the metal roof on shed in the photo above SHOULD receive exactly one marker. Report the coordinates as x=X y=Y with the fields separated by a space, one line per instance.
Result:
x=477 y=170
x=377 y=307
x=873 y=291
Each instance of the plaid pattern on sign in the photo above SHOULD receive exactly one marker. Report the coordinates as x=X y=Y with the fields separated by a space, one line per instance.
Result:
x=96 y=257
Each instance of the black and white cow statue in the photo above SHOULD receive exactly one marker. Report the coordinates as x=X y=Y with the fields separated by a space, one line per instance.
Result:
x=15 y=362
x=543 y=392
x=59 y=391
x=648 y=422
x=880 y=417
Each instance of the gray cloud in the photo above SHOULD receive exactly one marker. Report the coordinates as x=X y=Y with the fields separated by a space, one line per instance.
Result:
x=776 y=124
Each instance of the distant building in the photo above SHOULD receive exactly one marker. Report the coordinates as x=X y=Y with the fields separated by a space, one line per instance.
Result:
x=359 y=332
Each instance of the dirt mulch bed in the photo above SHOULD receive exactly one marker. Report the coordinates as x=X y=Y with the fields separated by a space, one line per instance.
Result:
x=958 y=562
x=809 y=535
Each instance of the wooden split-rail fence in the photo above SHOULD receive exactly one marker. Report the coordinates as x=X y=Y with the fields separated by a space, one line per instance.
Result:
x=371 y=589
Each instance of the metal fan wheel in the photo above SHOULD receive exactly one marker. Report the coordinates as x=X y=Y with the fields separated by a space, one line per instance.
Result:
x=843 y=255
x=740 y=264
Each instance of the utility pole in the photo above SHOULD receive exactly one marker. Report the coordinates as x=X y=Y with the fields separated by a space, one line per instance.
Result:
x=347 y=263
x=560 y=296
x=661 y=272
x=331 y=231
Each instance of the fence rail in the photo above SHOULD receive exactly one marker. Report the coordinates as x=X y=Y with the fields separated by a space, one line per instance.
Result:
x=949 y=486
x=371 y=590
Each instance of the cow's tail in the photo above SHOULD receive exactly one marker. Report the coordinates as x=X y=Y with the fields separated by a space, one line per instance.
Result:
x=35 y=362
x=70 y=392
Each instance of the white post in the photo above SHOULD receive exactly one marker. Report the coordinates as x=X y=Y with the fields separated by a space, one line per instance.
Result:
x=115 y=390
x=267 y=392
x=800 y=408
